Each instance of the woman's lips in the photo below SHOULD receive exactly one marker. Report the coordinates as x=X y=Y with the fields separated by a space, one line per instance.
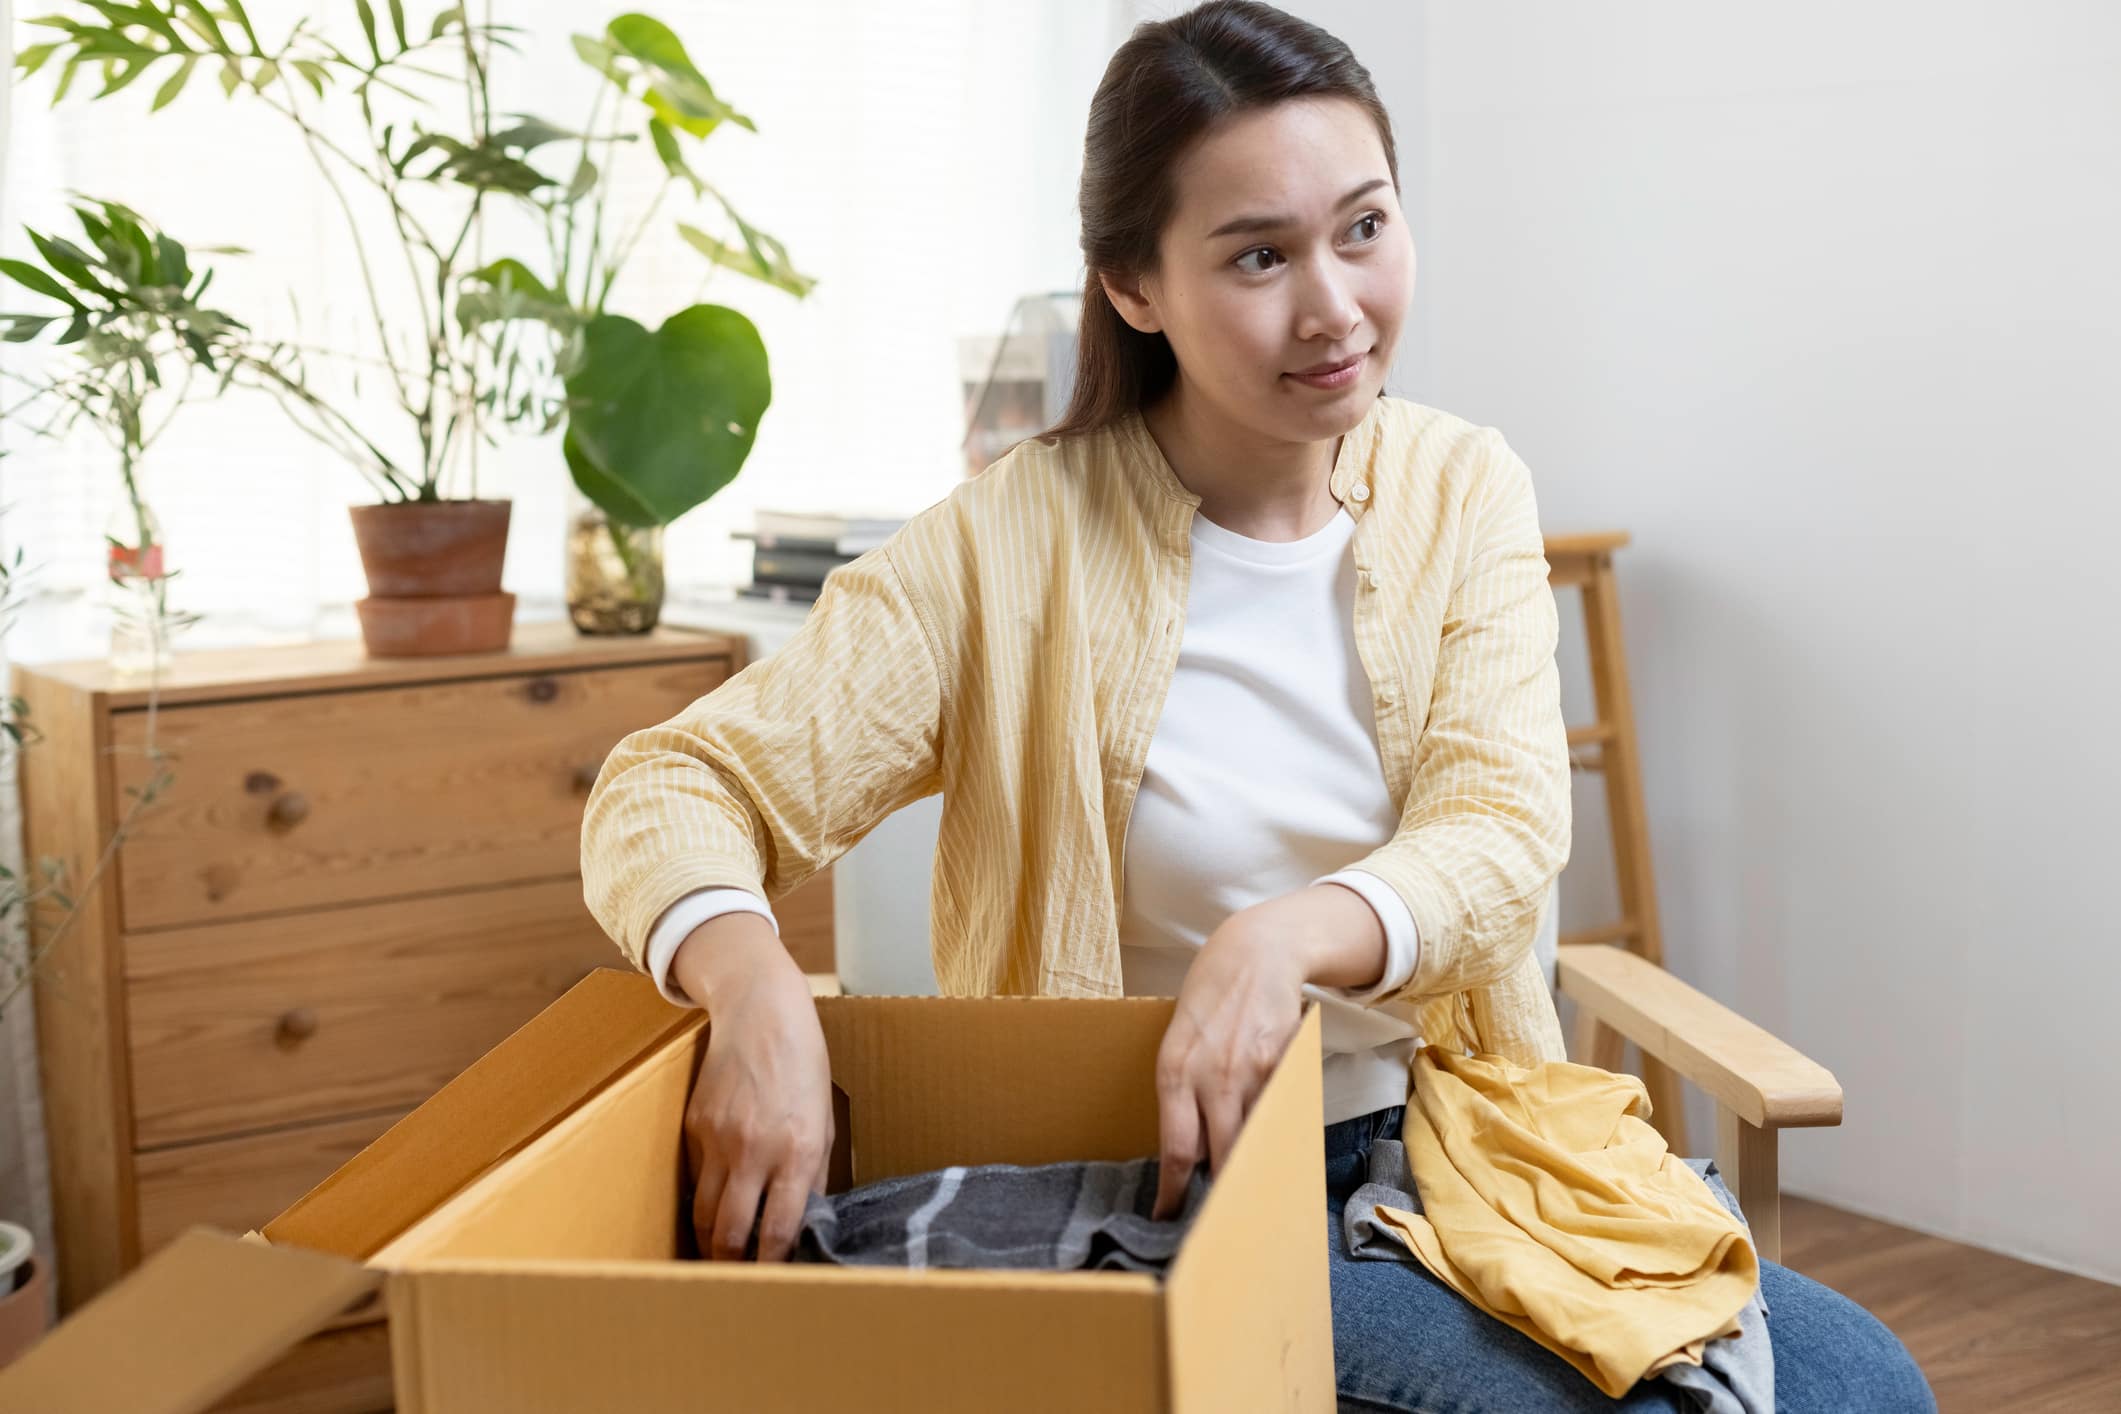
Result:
x=1338 y=378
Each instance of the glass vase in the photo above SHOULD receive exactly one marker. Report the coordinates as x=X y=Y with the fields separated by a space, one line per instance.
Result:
x=614 y=573
x=137 y=595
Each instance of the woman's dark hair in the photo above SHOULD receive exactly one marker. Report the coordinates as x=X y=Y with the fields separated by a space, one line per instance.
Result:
x=1168 y=84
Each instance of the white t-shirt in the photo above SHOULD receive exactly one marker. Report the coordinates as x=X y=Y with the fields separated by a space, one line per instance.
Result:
x=1263 y=777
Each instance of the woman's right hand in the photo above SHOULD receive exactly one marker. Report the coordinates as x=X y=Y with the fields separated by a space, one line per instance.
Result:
x=758 y=1126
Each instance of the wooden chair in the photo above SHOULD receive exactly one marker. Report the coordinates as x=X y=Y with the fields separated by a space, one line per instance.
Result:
x=1615 y=974
x=1761 y=1085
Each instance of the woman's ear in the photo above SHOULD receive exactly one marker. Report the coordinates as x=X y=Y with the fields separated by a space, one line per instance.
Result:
x=1133 y=305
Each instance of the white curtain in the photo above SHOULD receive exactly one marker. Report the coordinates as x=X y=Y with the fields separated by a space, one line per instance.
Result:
x=919 y=159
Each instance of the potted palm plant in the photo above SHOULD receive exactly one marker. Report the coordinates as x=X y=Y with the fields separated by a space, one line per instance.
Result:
x=128 y=312
x=655 y=420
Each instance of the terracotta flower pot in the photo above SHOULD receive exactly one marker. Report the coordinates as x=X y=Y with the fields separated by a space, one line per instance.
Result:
x=434 y=577
x=22 y=1295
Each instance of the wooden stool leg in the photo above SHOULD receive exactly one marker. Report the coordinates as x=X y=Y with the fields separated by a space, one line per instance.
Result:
x=1627 y=816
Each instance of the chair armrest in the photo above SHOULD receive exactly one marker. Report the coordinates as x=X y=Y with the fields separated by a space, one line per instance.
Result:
x=1758 y=1078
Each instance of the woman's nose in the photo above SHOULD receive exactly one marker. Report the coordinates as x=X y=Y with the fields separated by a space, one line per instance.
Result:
x=1329 y=310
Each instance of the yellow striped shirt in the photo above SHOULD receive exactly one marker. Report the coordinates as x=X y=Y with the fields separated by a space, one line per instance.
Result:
x=1012 y=645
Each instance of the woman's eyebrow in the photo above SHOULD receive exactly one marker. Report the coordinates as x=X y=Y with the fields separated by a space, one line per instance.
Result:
x=1244 y=225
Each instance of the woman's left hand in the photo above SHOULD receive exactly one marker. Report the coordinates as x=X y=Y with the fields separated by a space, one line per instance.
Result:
x=1239 y=1005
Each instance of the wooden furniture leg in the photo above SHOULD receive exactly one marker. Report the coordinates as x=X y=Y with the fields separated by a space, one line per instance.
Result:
x=1761 y=1084
x=1609 y=747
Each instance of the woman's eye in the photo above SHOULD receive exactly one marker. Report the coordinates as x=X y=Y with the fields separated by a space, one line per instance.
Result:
x=1267 y=251
x=1374 y=220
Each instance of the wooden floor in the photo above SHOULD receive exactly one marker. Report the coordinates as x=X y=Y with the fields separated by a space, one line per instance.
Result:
x=1992 y=1333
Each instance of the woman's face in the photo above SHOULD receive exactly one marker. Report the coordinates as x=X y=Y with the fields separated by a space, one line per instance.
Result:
x=1286 y=251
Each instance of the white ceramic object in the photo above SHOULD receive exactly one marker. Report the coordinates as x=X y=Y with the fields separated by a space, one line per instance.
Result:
x=16 y=1248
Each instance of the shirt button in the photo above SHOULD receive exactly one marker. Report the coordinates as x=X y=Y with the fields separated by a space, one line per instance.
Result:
x=1359 y=491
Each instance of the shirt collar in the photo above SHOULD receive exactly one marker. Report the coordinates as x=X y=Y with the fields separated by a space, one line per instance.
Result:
x=1353 y=482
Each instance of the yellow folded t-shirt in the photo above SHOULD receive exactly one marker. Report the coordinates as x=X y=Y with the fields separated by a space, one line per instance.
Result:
x=1552 y=1204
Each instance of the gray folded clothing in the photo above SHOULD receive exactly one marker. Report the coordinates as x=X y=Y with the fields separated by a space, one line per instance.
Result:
x=1062 y=1217
x=1736 y=1374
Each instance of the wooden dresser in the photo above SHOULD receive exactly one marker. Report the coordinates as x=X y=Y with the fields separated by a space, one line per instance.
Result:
x=359 y=877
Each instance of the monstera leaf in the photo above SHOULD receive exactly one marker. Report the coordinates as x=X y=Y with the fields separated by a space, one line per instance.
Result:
x=658 y=422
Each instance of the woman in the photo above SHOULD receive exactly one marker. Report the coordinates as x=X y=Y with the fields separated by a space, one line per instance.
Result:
x=1239 y=685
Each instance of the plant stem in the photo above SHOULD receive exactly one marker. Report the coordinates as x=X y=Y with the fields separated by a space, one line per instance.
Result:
x=620 y=542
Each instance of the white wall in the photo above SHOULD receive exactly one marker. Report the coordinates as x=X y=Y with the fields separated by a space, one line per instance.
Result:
x=1821 y=302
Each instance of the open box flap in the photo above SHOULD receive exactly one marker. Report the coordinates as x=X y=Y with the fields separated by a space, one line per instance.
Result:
x=509 y=1096
x=1259 y=1229
x=193 y=1322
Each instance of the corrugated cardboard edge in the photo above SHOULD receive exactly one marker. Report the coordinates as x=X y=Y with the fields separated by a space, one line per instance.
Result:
x=1259 y=1228
x=210 y=1310
x=509 y=1096
x=197 y=1319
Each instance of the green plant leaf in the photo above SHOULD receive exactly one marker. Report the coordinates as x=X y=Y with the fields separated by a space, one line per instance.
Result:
x=21 y=328
x=174 y=84
x=146 y=16
x=119 y=73
x=531 y=132
x=201 y=22
x=661 y=421
x=482 y=165
x=506 y=289
x=176 y=268
x=69 y=260
x=25 y=274
x=315 y=72
x=761 y=257
x=32 y=59
x=397 y=21
x=231 y=77
x=666 y=147
x=615 y=497
x=584 y=180
x=678 y=92
x=235 y=7
x=453 y=15
x=603 y=58
x=367 y=12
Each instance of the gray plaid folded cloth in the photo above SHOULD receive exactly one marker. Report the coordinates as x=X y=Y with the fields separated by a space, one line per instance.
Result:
x=1062 y=1217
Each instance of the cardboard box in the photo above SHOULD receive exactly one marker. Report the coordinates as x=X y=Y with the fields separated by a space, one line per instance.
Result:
x=524 y=1229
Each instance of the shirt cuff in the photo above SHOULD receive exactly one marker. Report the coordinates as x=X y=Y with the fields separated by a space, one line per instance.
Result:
x=1402 y=938
x=688 y=913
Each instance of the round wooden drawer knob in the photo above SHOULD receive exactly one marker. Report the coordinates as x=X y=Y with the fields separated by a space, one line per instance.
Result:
x=296 y=1026
x=289 y=810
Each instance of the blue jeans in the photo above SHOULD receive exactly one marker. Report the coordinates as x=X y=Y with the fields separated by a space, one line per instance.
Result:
x=1404 y=1341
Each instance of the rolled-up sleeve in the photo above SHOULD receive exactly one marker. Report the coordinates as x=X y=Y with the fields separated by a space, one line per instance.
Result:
x=1486 y=824
x=777 y=772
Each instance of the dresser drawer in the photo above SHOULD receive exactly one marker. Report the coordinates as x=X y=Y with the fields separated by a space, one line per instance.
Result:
x=274 y=1021
x=296 y=802
x=239 y=1185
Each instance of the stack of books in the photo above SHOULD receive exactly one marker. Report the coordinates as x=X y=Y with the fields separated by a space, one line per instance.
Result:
x=793 y=551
